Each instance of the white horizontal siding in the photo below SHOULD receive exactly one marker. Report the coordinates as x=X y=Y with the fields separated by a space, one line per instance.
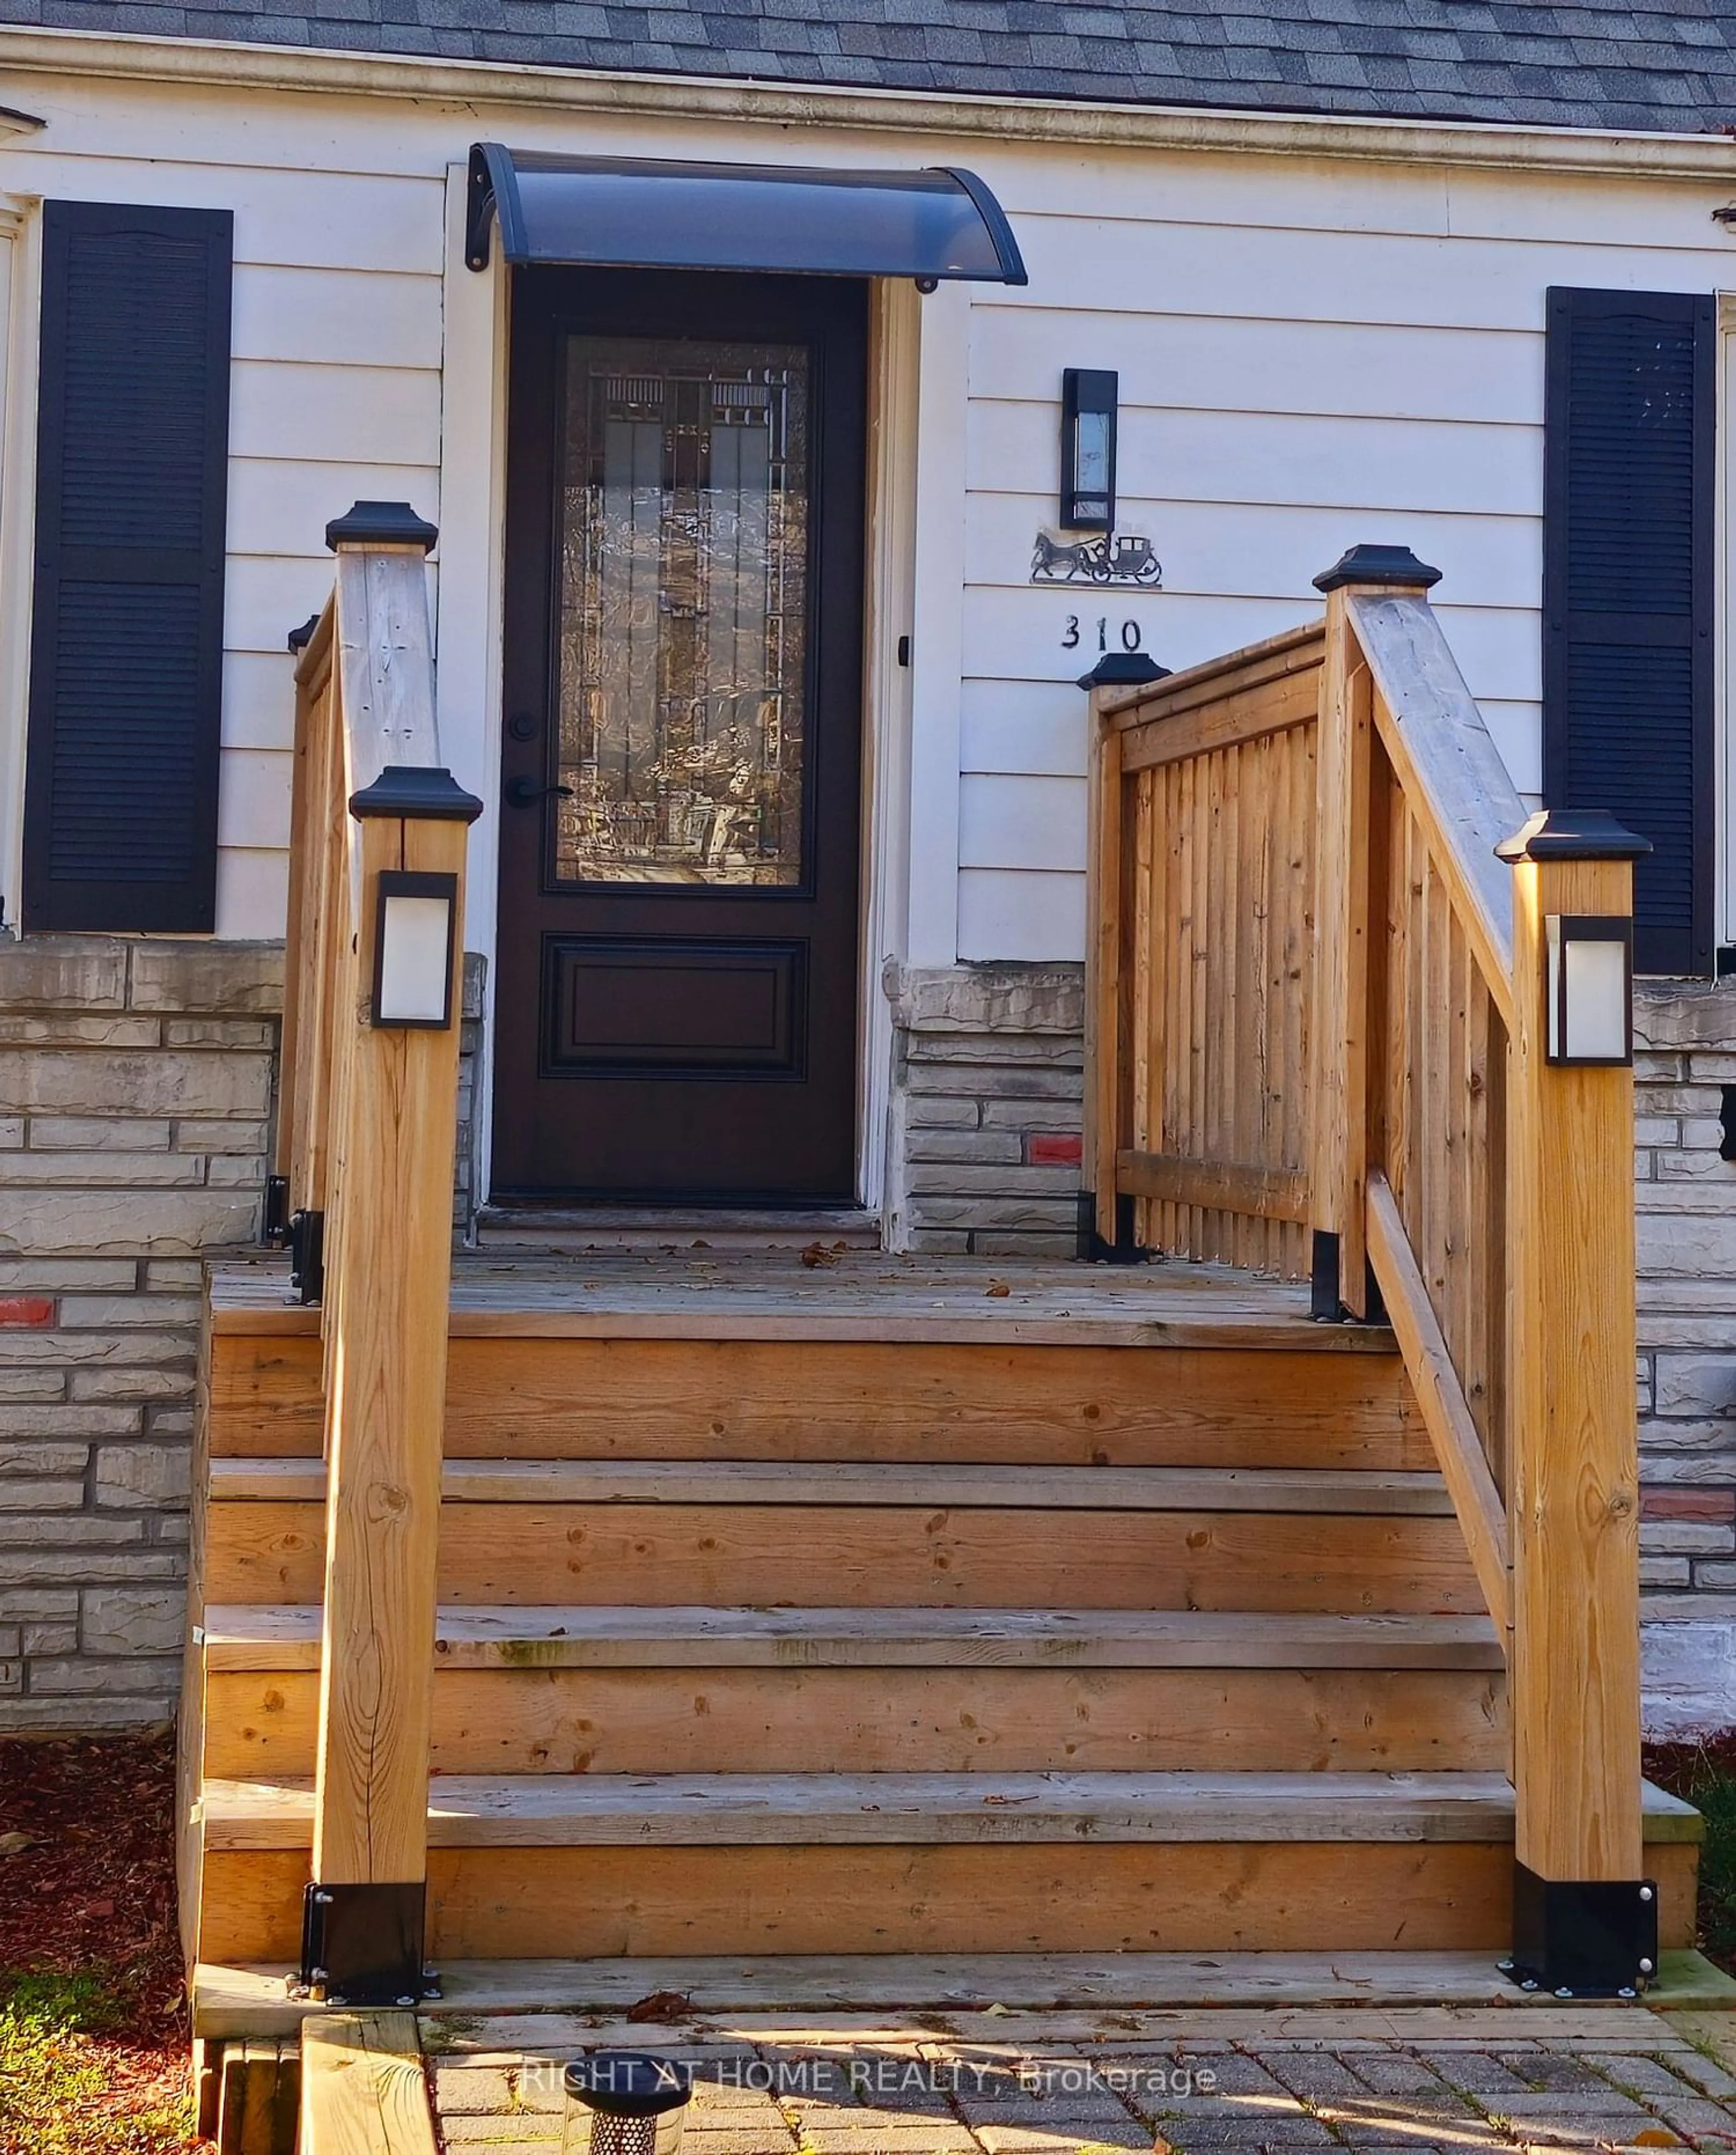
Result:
x=279 y=505
x=254 y=811
x=1037 y=917
x=1264 y=549
x=264 y=598
x=1177 y=358
x=337 y=317
x=252 y=891
x=1035 y=729
x=287 y=214
x=1022 y=821
x=1277 y=458
x=259 y=700
x=1326 y=276
x=364 y=415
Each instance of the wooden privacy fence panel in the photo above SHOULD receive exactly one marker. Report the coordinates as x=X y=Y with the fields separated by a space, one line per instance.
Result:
x=1206 y=802
x=1317 y=1045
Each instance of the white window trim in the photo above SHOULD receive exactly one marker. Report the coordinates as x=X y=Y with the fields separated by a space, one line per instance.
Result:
x=20 y=306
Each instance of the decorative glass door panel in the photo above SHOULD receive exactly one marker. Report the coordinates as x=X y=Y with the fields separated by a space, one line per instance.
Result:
x=683 y=564
x=677 y=966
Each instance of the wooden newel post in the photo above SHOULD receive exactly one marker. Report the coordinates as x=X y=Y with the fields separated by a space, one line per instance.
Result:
x=1584 y=1919
x=390 y=1279
x=1106 y=1219
x=1344 y=933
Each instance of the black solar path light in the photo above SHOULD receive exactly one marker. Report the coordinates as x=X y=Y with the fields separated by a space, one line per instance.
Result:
x=625 y=2102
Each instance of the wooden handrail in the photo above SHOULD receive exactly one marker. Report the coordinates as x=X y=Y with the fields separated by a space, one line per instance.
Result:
x=1480 y=1508
x=1315 y=1018
x=366 y=1138
x=1446 y=765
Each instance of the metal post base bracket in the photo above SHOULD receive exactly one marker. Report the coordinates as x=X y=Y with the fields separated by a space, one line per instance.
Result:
x=1093 y=1250
x=1582 y=1937
x=363 y=1945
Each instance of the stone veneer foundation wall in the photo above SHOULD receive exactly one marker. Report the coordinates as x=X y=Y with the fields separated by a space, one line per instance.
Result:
x=983 y=1160
x=137 y=1085
x=136 y=1096
x=983 y=1157
x=1685 y=1056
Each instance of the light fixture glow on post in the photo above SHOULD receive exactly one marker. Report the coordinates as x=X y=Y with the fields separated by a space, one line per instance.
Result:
x=1089 y=398
x=1589 y=988
x=415 y=932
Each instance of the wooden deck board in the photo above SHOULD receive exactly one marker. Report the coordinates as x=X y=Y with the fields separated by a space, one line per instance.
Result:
x=364 y=2091
x=287 y=1638
x=740 y=1809
x=1339 y=1490
x=865 y=1295
x=1441 y=1998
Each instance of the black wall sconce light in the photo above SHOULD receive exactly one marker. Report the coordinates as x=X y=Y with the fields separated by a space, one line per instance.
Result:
x=1089 y=397
x=415 y=930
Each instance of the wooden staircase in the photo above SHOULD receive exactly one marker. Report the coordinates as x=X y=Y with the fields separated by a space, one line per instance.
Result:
x=896 y=1608
x=600 y=1600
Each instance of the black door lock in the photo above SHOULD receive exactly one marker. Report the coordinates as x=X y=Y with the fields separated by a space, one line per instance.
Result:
x=525 y=792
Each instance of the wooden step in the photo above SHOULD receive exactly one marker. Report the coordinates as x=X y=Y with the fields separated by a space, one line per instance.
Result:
x=589 y=1865
x=718 y=1690
x=274 y=1639
x=1058 y=1405
x=616 y=1533
x=727 y=1810
x=878 y=1357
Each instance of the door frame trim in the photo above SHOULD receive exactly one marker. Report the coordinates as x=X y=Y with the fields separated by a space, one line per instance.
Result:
x=889 y=570
x=470 y=649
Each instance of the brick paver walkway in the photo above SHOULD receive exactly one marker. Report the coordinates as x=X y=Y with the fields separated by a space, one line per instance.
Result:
x=1399 y=2081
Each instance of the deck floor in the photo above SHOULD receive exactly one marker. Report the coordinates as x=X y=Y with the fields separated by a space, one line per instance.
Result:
x=828 y=1293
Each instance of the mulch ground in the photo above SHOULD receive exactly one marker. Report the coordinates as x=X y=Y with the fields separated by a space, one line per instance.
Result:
x=1704 y=1775
x=87 y=1892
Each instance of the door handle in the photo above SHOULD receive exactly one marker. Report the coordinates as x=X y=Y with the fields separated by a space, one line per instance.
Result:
x=525 y=792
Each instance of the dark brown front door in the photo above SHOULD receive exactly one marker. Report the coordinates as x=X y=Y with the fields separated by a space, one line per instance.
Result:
x=678 y=948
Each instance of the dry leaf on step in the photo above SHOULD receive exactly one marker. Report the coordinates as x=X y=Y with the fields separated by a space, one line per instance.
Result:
x=662 y=2006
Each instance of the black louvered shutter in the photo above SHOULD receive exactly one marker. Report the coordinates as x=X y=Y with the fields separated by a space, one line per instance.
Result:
x=1627 y=651
x=127 y=628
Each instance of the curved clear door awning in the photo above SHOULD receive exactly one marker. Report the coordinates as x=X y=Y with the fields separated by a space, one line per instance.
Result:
x=643 y=213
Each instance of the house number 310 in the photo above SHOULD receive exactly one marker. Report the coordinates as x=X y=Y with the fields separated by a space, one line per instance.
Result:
x=1071 y=638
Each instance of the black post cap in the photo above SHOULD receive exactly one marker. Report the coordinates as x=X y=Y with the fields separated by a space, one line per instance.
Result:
x=299 y=639
x=1573 y=834
x=1377 y=565
x=381 y=524
x=1125 y=670
x=424 y=790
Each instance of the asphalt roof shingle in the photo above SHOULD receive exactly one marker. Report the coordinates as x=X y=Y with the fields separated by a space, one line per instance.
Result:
x=1658 y=65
